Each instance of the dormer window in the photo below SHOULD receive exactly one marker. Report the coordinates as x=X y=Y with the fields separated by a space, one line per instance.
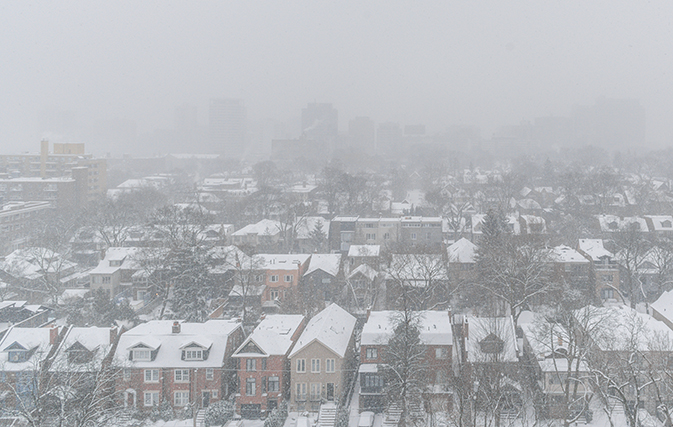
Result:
x=115 y=263
x=492 y=344
x=17 y=356
x=77 y=353
x=193 y=354
x=141 y=355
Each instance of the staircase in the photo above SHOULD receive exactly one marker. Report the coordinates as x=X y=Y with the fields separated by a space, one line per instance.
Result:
x=327 y=415
x=200 y=418
x=391 y=417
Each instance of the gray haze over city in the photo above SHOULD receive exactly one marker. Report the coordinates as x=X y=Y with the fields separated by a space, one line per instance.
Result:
x=83 y=71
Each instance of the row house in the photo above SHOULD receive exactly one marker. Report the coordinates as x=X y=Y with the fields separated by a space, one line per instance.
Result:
x=363 y=284
x=282 y=273
x=324 y=276
x=387 y=232
x=570 y=266
x=181 y=363
x=266 y=234
x=605 y=267
x=435 y=335
x=114 y=272
x=560 y=373
x=486 y=359
x=264 y=365
x=462 y=260
x=21 y=314
x=24 y=356
x=322 y=360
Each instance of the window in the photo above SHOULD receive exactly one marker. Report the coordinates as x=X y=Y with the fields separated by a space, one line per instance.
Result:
x=301 y=391
x=428 y=236
x=259 y=278
x=441 y=353
x=274 y=278
x=370 y=236
x=250 y=364
x=16 y=356
x=151 y=375
x=369 y=225
x=413 y=236
x=127 y=374
x=274 y=384
x=181 y=375
x=329 y=365
x=608 y=278
x=193 y=354
x=288 y=278
x=106 y=280
x=315 y=391
x=181 y=398
x=250 y=387
x=263 y=364
x=315 y=365
x=607 y=293
x=371 y=353
x=301 y=365
x=140 y=355
x=386 y=236
x=151 y=398
x=274 y=295
x=213 y=394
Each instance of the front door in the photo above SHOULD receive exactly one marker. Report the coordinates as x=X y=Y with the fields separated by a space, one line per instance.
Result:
x=205 y=399
x=330 y=391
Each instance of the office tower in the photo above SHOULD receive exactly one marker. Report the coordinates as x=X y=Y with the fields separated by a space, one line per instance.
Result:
x=227 y=125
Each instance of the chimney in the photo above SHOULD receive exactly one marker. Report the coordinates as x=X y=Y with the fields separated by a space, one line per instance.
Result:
x=450 y=314
x=369 y=311
x=466 y=329
x=113 y=334
x=53 y=335
x=176 y=327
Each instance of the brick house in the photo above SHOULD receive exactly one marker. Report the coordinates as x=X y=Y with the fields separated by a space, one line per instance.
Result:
x=282 y=274
x=435 y=335
x=182 y=363
x=322 y=360
x=24 y=357
x=263 y=364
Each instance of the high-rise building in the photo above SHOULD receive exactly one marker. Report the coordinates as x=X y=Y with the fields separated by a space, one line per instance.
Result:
x=227 y=125
x=320 y=121
x=388 y=137
x=362 y=133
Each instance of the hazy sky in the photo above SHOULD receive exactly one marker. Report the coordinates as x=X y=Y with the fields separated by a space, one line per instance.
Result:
x=434 y=62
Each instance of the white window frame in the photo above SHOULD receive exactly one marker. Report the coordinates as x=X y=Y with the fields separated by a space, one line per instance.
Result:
x=181 y=375
x=250 y=365
x=250 y=386
x=329 y=366
x=193 y=354
x=274 y=294
x=371 y=353
x=181 y=398
x=288 y=278
x=274 y=278
x=210 y=374
x=147 y=355
x=315 y=366
x=153 y=398
x=153 y=375
x=316 y=391
x=301 y=391
x=276 y=381
x=441 y=353
x=301 y=366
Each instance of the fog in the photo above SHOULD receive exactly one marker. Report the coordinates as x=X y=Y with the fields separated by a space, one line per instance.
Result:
x=73 y=70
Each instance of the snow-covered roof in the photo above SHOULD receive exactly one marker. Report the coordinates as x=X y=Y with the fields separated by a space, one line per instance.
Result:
x=434 y=327
x=265 y=227
x=329 y=263
x=279 y=261
x=94 y=339
x=463 y=251
x=31 y=263
x=157 y=334
x=364 y=251
x=116 y=259
x=365 y=270
x=332 y=327
x=613 y=223
x=594 y=248
x=34 y=340
x=566 y=254
x=305 y=226
x=664 y=305
x=661 y=222
x=273 y=336
x=618 y=328
x=500 y=328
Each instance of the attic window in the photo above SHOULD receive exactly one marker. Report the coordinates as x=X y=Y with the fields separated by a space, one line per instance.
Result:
x=613 y=225
x=141 y=355
x=193 y=354
x=666 y=224
x=17 y=356
x=492 y=344
x=115 y=263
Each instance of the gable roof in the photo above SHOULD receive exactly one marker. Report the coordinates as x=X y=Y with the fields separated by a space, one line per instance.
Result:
x=481 y=328
x=365 y=270
x=463 y=251
x=333 y=327
x=329 y=263
x=273 y=336
x=36 y=340
x=434 y=327
x=91 y=338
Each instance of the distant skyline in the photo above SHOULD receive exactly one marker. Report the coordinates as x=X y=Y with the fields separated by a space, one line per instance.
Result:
x=124 y=67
